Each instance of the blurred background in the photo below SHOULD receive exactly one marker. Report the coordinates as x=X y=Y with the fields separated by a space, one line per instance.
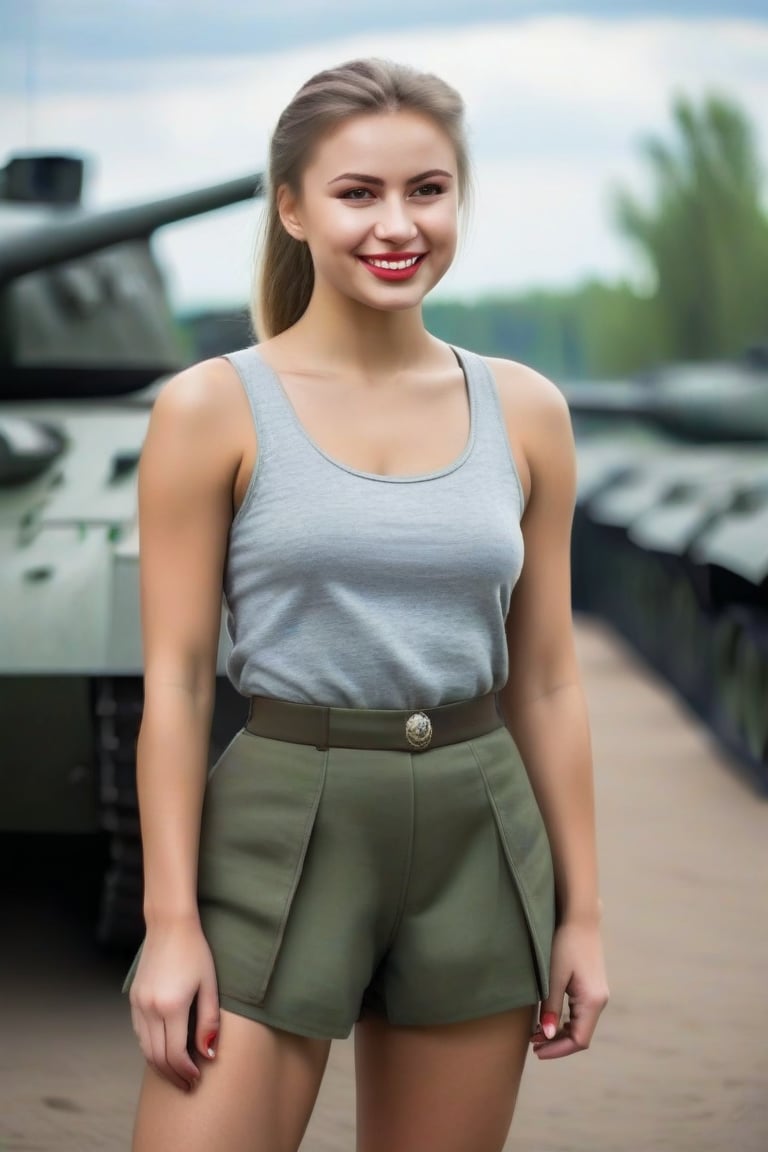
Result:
x=618 y=243
x=601 y=133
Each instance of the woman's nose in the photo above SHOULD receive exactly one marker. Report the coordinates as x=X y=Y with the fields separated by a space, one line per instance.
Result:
x=394 y=223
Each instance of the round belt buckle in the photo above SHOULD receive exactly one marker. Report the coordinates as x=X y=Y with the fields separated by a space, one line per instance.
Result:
x=418 y=730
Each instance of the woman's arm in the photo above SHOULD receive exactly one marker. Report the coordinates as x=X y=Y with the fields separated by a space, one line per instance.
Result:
x=186 y=476
x=543 y=701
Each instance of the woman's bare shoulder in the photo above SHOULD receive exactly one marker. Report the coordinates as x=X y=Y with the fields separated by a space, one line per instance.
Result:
x=201 y=400
x=201 y=415
x=203 y=391
x=523 y=389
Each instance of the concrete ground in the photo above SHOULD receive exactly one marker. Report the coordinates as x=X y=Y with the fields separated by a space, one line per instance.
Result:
x=679 y=1063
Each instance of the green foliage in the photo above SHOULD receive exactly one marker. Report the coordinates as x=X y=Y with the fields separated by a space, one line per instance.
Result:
x=593 y=330
x=704 y=232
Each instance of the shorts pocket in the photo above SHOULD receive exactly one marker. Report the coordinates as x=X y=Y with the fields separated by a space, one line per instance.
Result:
x=524 y=840
x=259 y=810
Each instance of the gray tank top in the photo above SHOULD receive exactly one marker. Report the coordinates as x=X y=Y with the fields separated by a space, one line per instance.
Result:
x=355 y=590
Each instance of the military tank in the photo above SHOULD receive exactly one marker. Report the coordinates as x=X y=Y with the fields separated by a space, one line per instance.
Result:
x=86 y=339
x=671 y=534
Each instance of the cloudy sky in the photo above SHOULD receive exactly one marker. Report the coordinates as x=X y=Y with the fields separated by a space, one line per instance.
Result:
x=165 y=96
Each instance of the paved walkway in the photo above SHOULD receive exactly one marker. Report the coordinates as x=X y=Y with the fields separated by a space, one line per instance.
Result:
x=680 y=1063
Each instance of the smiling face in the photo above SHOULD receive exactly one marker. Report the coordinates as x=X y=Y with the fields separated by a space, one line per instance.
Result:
x=378 y=208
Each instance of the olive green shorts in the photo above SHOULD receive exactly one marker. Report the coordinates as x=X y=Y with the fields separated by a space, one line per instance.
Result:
x=340 y=881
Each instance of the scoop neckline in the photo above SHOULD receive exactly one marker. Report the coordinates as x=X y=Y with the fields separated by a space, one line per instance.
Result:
x=417 y=477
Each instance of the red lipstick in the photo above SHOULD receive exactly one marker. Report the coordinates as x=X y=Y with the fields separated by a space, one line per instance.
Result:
x=386 y=268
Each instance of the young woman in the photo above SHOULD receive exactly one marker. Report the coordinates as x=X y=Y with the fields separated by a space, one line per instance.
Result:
x=402 y=836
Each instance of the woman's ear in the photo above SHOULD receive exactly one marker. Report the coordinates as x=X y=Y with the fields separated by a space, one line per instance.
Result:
x=288 y=211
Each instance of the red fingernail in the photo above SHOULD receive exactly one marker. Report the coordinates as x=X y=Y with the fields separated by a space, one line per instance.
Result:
x=549 y=1024
x=209 y=1042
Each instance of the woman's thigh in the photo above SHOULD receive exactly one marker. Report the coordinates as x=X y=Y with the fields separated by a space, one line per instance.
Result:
x=256 y=1096
x=451 y=1087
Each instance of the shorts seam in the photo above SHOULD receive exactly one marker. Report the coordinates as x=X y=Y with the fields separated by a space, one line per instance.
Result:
x=261 y=1016
x=308 y=827
x=521 y=887
x=492 y=1008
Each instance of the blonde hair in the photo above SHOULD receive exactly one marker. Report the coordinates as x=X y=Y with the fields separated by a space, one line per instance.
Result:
x=284 y=277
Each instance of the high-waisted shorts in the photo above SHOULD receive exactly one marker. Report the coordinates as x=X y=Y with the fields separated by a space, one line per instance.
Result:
x=344 y=871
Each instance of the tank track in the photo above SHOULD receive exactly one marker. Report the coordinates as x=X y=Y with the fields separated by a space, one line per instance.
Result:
x=703 y=629
x=118 y=703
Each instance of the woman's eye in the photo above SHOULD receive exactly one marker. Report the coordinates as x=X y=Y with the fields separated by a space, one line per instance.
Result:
x=429 y=190
x=355 y=194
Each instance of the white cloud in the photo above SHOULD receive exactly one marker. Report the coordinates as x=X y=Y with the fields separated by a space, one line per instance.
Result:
x=555 y=107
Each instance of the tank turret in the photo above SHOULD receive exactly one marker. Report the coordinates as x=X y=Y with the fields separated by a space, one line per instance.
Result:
x=715 y=402
x=86 y=337
x=83 y=310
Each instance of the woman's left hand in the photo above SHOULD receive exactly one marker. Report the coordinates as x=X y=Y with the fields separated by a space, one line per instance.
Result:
x=577 y=970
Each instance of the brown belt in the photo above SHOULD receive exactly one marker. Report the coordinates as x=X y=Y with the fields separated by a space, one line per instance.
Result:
x=377 y=729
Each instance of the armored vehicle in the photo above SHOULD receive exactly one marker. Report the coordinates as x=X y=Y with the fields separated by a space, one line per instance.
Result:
x=86 y=338
x=671 y=533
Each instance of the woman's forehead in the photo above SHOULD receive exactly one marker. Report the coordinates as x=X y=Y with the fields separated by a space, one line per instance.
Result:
x=368 y=142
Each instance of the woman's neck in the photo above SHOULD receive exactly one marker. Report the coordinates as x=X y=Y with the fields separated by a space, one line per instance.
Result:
x=358 y=338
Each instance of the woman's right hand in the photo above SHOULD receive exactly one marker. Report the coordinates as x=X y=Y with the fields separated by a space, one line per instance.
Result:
x=175 y=966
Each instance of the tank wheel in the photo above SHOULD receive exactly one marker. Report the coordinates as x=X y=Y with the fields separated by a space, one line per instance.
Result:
x=118 y=707
x=726 y=702
x=687 y=639
x=651 y=605
x=752 y=679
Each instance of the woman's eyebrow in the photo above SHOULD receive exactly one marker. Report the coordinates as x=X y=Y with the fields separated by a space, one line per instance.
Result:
x=362 y=179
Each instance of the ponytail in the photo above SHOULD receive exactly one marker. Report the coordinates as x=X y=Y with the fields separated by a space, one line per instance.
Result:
x=286 y=277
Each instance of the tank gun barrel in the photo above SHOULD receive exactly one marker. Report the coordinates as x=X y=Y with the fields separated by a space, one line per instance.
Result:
x=78 y=235
x=610 y=399
x=703 y=403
